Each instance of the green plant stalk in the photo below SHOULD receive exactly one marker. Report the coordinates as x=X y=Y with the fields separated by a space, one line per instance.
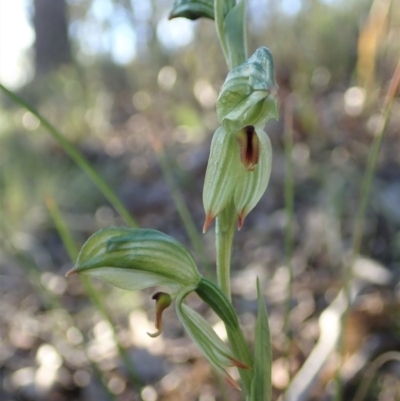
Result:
x=225 y=224
x=218 y=302
x=94 y=296
x=226 y=220
x=221 y=9
x=77 y=157
x=366 y=186
x=230 y=22
x=289 y=211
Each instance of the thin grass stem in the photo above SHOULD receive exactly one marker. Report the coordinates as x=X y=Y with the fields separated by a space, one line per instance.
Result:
x=49 y=300
x=183 y=210
x=77 y=157
x=366 y=186
x=94 y=296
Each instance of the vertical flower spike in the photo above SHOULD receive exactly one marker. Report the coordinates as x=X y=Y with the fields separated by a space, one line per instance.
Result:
x=249 y=147
x=221 y=176
x=163 y=300
x=252 y=184
x=248 y=96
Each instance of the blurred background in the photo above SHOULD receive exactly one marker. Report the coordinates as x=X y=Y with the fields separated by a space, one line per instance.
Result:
x=136 y=94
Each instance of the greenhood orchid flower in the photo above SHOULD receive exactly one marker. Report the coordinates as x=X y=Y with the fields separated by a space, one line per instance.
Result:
x=135 y=259
x=240 y=160
x=239 y=168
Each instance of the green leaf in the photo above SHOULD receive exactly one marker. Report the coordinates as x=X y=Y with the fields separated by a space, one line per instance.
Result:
x=134 y=259
x=203 y=335
x=216 y=299
x=193 y=9
x=261 y=384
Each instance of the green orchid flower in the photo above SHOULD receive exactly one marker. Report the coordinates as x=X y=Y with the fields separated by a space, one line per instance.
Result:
x=239 y=168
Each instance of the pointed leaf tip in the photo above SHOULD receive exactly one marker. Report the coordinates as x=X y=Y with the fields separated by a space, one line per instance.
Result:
x=239 y=364
x=232 y=382
x=72 y=271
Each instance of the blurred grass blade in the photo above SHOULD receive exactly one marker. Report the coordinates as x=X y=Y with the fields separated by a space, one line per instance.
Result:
x=261 y=383
x=183 y=210
x=77 y=157
x=94 y=296
x=62 y=229
x=366 y=186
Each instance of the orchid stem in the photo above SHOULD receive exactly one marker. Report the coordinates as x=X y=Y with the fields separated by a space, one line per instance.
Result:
x=224 y=233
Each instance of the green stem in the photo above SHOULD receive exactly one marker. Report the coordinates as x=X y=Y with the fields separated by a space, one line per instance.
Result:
x=224 y=233
x=230 y=21
x=218 y=302
x=77 y=157
x=366 y=186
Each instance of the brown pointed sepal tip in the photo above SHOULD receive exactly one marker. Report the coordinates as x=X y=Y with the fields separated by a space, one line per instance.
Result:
x=207 y=222
x=241 y=218
x=72 y=271
x=239 y=364
x=232 y=382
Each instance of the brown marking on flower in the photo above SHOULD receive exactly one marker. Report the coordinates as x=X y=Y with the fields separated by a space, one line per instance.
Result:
x=249 y=147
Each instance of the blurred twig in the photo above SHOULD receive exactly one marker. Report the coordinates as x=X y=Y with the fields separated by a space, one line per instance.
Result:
x=77 y=157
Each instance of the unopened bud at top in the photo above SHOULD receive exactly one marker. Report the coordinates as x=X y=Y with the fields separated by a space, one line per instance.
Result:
x=248 y=96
